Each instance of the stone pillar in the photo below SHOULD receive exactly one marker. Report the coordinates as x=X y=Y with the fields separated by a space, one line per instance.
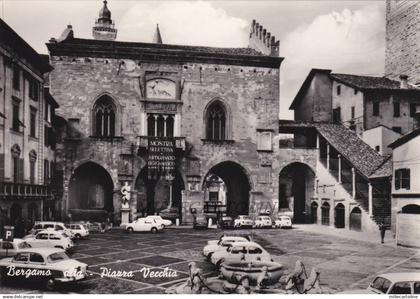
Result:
x=41 y=210
x=339 y=169
x=328 y=156
x=164 y=124
x=177 y=125
x=156 y=124
x=317 y=147
x=370 y=199
x=353 y=181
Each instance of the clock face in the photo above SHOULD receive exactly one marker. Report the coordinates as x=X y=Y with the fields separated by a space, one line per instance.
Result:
x=161 y=89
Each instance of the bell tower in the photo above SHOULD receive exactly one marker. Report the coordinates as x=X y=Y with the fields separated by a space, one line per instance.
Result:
x=104 y=28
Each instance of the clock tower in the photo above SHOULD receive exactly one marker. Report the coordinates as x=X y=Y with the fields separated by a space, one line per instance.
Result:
x=104 y=28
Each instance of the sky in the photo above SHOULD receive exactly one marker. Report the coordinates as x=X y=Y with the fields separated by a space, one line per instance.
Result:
x=344 y=36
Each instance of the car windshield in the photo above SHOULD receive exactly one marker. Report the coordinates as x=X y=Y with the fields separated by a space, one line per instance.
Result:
x=246 y=218
x=65 y=235
x=381 y=284
x=57 y=257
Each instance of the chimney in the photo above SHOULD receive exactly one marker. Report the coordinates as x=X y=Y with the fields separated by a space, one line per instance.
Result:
x=404 y=81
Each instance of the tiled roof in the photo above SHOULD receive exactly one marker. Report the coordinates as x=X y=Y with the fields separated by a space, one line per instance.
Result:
x=369 y=82
x=364 y=158
x=384 y=170
x=151 y=51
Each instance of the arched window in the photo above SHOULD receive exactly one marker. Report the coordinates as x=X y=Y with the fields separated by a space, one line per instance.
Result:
x=216 y=122
x=104 y=115
x=17 y=164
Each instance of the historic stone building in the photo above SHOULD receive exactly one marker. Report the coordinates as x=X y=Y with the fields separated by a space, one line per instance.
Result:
x=402 y=36
x=168 y=121
x=26 y=135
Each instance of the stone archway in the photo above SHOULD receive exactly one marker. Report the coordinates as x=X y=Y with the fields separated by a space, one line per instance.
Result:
x=314 y=212
x=91 y=193
x=237 y=186
x=339 y=216
x=356 y=219
x=325 y=213
x=296 y=188
x=153 y=194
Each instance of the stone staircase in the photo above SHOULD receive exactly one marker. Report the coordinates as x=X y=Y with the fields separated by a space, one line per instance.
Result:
x=381 y=204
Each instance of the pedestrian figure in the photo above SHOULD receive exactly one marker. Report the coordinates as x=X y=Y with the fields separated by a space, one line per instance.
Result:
x=382 y=229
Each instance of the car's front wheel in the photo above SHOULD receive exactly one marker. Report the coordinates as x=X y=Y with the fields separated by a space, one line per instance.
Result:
x=130 y=229
x=154 y=230
x=78 y=236
x=50 y=284
x=209 y=256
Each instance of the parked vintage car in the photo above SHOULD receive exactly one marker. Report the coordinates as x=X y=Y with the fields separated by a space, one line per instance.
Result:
x=283 y=222
x=49 y=238
x=241 y=251
x=263 y=221
x=11 y=248
x=226 y=222
x=79 y=230
x=200 y=222
x=144 y=225
x=58 y=226
x=392 y=283
x=221 y=244
x=243 y=221
x=95 y=227
x=48 y=266
x=159 y=219
x=171 y=214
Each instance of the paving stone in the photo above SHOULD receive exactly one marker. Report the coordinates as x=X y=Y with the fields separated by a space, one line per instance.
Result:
x=157 y=260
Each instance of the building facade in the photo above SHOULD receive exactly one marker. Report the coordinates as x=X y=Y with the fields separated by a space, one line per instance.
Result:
x=406 y=189
x=162 y=119
x=402 y=35
x=26 y=136
x=361 y=103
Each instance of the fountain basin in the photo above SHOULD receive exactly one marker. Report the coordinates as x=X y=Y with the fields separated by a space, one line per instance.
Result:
x=232 y=270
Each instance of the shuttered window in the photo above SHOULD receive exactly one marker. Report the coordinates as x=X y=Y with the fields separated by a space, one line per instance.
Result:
x=402 y=179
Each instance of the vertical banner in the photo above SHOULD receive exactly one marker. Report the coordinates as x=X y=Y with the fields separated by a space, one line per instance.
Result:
x=161 y=156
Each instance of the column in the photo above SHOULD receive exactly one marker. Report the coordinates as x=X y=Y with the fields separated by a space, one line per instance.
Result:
x=156 y=124
x=328 y=156
x=42 y=210
x=370 y=199
x=177 y=125
x=339 y=168
x=164 y=124
x=317 y=146
x=353 y=180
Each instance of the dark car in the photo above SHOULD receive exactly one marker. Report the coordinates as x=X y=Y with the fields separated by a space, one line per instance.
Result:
x=171 y=214
x=226 y=222
x=200 y=222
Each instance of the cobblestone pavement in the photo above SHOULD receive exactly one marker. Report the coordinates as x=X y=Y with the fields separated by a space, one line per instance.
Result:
x=344 y=263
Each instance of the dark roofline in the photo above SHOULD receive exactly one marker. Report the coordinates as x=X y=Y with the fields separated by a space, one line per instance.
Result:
x=405 y=138
x=10 y=38
x=50 y=98
x=389 y=90
x=386 y=127
x=305 y=86
x=76 y=47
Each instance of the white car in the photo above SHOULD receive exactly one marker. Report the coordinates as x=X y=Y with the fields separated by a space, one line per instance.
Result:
x=243 y=221
x=392 y=283
x=58 y=226
x=283 y=222
x=144 y=225
x=79 y=230
x=263 y=221
x=11 y=248
x=159 y=219
x=49 y=238
x=241 y=251
x=221 y=245
x=47 y=265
